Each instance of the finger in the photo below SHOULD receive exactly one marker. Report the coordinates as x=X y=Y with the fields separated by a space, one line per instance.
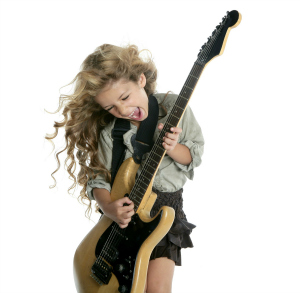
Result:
x=167 y=147
x=130 y=214
x=124 y=221
x=160 y=126
x=128 y=208
x=124 y=200
x=125 y=216
x=176 y=129
x=169 y=141
x=172 y=135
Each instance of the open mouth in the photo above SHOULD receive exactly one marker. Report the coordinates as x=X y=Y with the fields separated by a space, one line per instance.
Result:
x=135 y=114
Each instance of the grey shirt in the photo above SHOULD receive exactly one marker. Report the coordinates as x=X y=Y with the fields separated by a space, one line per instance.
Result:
x=171 y=175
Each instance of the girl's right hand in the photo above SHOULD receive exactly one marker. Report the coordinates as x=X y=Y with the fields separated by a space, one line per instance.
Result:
x=118 y=212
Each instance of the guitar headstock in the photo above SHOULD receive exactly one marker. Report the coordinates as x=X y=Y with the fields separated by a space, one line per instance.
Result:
x=217 y=41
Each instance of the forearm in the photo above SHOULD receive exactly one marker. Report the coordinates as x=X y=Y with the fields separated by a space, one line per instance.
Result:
x=102 y=197
x=180 y=154
x=120 y=210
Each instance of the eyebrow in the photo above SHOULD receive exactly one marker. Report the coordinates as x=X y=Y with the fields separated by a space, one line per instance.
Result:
x=118 y=100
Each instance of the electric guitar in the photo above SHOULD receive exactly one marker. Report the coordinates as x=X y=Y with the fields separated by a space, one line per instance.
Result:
x=110 y=259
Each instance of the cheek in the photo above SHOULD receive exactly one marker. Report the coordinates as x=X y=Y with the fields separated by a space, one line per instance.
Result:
x=113 y=112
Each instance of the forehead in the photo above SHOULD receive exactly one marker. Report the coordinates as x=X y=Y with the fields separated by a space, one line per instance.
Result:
x=113 y=90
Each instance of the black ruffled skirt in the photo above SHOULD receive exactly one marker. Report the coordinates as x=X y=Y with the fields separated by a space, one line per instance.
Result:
x=179 y=234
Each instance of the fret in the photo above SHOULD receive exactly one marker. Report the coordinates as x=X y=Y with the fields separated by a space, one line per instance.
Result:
x=161 y=148
x=136 y=195
x=186 y=92
x=182 y=103
x=153 y=165
x=174 y=116
x=140 y=194
x=153 y=169
x=155 y=152
x=194 y=76
x=149 y=172
x=167 y=126
x=159 y=139
x=140 y=191
x=141 y=175
x=191 y=82
x=154 y=158
x=181 y=109
x=183 y=97
x=188 y=87
x=138 y=188
x=179 y=113
x=142 y=184
x=158 y=151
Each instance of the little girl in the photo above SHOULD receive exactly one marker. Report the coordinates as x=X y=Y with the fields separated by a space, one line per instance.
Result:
x=113 y=83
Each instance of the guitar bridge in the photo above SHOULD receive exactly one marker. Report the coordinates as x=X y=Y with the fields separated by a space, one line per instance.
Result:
x=101 y=272
x=96 y=279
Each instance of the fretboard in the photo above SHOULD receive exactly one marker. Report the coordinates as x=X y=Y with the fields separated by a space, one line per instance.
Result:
x=157 y=152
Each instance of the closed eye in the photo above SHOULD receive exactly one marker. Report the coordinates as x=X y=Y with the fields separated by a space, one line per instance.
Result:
x=113 y=106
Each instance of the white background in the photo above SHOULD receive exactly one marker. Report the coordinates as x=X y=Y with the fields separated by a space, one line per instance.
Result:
x=244 y=198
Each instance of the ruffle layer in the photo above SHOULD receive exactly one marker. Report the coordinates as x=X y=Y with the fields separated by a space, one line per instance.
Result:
x=179 y=234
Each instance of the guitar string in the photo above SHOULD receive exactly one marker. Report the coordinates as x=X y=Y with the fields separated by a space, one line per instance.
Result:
x=206 y=55
x=208 y=47
x=167 y=124
x=110 y=241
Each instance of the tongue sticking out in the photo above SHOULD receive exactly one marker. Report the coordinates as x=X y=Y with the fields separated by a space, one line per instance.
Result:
x=136 y=113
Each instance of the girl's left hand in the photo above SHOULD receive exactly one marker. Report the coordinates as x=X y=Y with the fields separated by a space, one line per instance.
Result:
x=170 y=139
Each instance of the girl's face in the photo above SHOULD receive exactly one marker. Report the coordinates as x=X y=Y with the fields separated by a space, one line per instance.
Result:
x=125 y=99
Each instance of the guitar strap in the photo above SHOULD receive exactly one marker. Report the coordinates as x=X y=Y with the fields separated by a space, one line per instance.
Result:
x=142 y=142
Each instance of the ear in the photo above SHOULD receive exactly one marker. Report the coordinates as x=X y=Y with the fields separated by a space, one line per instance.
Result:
x=142 y=80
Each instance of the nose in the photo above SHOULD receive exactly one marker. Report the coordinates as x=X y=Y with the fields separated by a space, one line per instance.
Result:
x=122 y=111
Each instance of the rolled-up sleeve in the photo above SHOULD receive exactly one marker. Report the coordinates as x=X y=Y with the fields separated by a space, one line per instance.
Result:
x=105 y=158
x=98 y=182
x=191 y=137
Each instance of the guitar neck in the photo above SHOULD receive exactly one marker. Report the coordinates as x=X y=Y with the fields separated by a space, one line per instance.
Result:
x=158 y=152
x=213 y=48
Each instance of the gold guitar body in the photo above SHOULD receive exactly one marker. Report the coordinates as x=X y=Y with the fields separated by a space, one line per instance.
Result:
x=85 y=257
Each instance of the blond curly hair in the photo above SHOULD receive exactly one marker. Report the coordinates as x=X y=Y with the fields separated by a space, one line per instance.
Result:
x=84 y=119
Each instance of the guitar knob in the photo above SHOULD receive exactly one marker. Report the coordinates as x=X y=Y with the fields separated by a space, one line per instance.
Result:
x=123 y=289
x=120 y=268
